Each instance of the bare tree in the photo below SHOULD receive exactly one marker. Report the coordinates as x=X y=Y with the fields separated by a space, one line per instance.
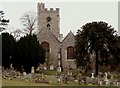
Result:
x=29 y=21
x=18 y=34
x=3 y=21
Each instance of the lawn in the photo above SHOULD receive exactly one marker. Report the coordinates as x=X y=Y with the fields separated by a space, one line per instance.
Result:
x=17 y=83
x=6 y=82
x=52 y=83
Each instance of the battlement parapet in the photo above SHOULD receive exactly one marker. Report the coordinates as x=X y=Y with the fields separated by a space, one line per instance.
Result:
x=41 y=7
x=51 y=9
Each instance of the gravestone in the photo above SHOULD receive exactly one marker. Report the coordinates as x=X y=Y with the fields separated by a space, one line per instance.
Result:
x=11 y=66
x=18 y=75
x=29 y=76
x=58 y=77
x=44 y=68
x=32 y=70
x=68 y=73
x=41 y=79
x=24 y=74
x=51 y=67
x=59 y=69
x=38 y=68
x=41 y=67
x=71 y=73
x=79 y=78
x=106 y=79
x=118 y=84
x=92 y=75
x=66 y=78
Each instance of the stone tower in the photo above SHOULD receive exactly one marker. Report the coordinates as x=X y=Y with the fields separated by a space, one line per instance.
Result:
x=48 y=19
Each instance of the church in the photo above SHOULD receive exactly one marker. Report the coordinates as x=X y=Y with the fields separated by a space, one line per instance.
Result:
x=59 y=51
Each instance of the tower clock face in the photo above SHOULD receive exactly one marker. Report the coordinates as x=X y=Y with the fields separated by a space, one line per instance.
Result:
x=48 y=19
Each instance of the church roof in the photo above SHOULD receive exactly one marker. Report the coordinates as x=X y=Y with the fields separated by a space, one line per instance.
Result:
x=68 y=35
x=46 y=30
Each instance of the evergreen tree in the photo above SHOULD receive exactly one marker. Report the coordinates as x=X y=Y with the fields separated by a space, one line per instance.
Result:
x=28 y=53
x=8 y=43
x=97 y=39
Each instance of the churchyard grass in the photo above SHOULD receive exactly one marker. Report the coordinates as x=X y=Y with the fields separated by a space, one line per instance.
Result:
x=6 y=82
x=50 y=79
x=53 y=72
x=47 y=72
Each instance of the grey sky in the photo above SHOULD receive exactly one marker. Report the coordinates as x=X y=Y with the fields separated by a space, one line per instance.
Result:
x=72 y=14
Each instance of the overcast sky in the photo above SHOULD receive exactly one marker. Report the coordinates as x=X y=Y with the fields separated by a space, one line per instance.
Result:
x=72 y=14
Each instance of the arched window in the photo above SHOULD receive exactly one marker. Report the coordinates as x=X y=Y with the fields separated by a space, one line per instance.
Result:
x=46 y=46
x=70 y=52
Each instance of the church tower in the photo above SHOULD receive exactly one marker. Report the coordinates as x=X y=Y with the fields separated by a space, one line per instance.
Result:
x=48 y=19
x=57 y=49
